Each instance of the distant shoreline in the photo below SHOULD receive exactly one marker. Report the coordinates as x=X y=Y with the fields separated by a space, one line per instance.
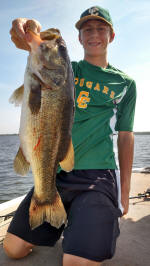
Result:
x=135 y=133
x=15 y=134
x=142 y=133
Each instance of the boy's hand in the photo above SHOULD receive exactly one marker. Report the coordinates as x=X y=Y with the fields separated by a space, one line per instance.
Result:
x=125 y=202
x=18 y=31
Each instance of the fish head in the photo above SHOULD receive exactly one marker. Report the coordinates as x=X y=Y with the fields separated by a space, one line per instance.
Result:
x=51 y=58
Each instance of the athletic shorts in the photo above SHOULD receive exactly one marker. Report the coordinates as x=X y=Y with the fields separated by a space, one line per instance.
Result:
x=92 y=216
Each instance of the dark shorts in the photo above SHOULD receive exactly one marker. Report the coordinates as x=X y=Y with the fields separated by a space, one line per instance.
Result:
x=92 y=227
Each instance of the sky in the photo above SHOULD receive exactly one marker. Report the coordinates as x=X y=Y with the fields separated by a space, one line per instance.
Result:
x=130 y=51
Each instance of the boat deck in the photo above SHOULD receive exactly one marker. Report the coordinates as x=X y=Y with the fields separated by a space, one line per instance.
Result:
x=133 y=246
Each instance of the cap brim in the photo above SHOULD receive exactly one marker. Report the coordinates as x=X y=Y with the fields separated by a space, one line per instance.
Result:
x=84 y=19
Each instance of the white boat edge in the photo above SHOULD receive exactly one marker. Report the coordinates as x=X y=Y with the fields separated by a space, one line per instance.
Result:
x=6 y=208
x=10 y=206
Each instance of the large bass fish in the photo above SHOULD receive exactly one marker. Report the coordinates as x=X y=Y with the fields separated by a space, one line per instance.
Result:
x=46 y=123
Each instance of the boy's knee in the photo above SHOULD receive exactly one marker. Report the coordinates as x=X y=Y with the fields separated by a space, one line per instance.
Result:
x=15 y=247
x=109 y=253
x=72 y=260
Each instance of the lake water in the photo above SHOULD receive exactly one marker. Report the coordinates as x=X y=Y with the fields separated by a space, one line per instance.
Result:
x=12 y=185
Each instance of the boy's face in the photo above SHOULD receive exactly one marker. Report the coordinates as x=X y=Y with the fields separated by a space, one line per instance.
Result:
x=95 y=35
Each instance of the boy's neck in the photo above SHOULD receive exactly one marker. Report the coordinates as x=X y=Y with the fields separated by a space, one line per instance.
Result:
x=97 y=61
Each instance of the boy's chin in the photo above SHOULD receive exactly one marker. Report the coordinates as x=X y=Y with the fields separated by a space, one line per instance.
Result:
x=96 y=53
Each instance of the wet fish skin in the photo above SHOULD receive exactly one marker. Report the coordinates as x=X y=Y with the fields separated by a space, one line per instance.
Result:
x=46 y=125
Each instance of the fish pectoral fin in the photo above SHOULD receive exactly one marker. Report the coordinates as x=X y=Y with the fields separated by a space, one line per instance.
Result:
x=68 y=162
x=21 y=166
x=53 y=213
x=17 y=96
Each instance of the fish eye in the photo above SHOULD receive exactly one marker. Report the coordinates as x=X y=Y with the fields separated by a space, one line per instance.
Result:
x=43 y=46
x=61 y=43
x=58 y=40
x=62 y=47
x=62 y=51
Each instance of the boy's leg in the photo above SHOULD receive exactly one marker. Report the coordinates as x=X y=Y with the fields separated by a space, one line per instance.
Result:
x=15 y=247
x=71 y=260
x=92 y=230
x=20 y=239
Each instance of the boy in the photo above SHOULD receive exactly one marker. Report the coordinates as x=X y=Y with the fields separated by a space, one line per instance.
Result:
x=105 y=102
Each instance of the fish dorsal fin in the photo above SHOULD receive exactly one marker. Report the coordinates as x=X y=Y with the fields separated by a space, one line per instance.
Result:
x=21 y=166
x=68 y=163
x=17 y=96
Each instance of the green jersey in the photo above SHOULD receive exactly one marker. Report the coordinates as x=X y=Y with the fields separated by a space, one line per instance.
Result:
x=104 y=103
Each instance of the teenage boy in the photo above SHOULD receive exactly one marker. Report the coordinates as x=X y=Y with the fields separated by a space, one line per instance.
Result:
x=105 y=102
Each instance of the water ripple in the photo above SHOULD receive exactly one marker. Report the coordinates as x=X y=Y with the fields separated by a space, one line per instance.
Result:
x=13 y=185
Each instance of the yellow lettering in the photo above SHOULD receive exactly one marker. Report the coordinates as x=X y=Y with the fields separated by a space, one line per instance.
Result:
x=83 y=99
x=97 y=87
x=76 y=81
x=112 y=94
x=89 y=84
x=105 y=90
x=81 y=82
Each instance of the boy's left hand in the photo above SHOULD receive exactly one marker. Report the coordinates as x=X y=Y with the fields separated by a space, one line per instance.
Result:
x=125 y=202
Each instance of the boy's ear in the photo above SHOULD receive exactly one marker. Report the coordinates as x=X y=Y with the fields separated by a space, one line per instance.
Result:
x=112 y=37
x=79 y=36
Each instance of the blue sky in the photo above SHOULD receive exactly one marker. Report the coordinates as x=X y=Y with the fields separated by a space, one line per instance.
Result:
x=129 y=52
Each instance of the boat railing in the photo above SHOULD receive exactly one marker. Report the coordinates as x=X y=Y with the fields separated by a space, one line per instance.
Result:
x=7 y=210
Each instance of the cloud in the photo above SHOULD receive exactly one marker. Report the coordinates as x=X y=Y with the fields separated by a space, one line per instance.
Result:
x=9 y=120
x=132 y=9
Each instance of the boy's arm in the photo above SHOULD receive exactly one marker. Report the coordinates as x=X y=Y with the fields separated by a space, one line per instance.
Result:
x=125 y=156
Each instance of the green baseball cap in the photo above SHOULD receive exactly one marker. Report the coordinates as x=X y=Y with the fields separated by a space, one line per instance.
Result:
x=95 y=12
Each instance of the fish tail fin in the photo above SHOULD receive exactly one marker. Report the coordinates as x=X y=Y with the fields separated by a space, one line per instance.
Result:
x=53 y=213
x=21 y=166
